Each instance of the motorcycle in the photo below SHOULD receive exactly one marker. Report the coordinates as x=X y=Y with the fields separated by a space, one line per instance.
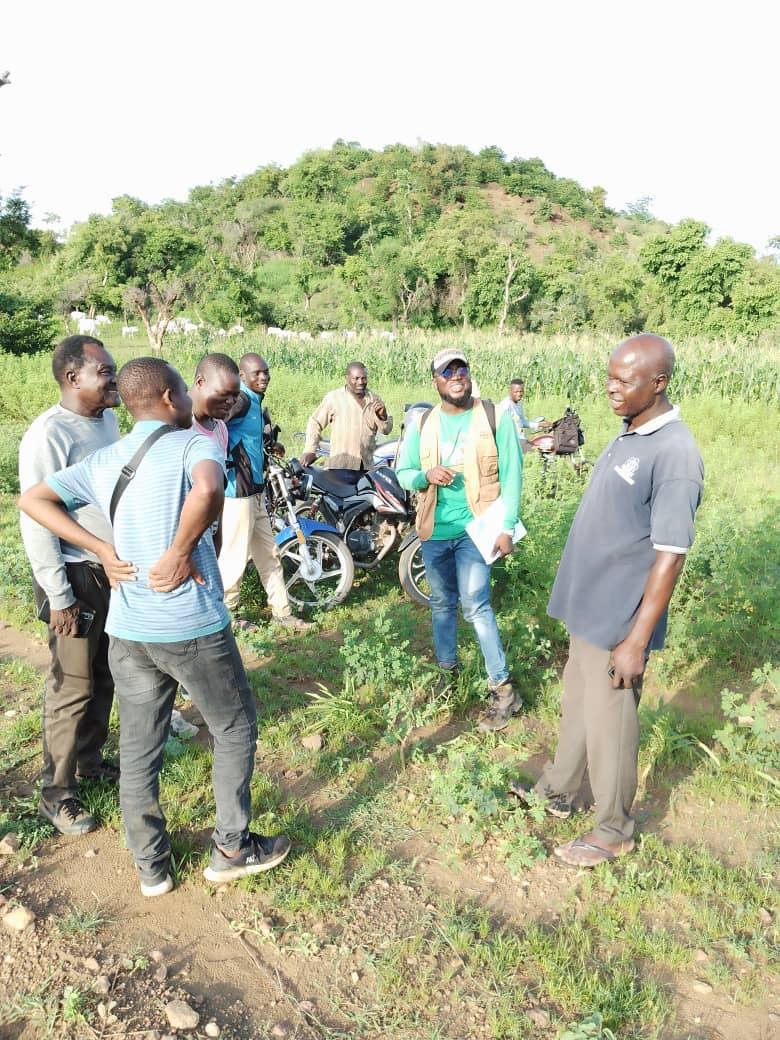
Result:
x=317 y=566
x=371 y=511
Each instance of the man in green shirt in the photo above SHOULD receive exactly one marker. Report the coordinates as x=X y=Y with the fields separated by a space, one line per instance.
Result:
x=461 y=463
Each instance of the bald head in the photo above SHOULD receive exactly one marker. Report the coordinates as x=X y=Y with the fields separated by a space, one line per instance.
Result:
x=651 y=352
x=637 y=376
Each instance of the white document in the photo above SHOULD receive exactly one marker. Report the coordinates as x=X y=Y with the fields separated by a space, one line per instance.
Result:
x=484 y=529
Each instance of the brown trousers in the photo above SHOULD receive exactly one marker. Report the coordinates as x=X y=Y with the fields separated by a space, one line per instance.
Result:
x=79 y=690
x=599 y=732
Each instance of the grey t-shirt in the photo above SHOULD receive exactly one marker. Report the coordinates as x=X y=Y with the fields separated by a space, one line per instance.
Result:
x=57 y=439
x=643 y=495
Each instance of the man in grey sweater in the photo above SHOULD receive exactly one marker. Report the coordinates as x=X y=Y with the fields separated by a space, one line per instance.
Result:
x=71 y=583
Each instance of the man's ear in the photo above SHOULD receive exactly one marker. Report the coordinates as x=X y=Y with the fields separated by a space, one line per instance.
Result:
x=166 y=398
x=72 y=377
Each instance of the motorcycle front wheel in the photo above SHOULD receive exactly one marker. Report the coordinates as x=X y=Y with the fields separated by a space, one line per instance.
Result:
x=411 y=574
x=325 y=580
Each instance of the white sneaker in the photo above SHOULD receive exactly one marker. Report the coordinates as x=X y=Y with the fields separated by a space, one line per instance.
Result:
x=181 y=727
x=157 y=888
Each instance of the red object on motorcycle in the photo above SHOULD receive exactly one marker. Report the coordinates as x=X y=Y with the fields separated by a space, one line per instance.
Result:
x=544 y=442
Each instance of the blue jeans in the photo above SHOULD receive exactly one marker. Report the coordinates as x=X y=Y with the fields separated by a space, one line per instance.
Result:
x=147 y=676
x=456 y=571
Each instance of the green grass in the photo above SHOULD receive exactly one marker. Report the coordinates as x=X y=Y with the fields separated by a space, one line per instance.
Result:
x=401 y=765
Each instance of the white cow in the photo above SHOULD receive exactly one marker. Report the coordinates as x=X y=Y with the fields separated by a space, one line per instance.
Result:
x=77 y=315
x=101 y=319
x=88 y=326
x=129 y=330
x=235 y=330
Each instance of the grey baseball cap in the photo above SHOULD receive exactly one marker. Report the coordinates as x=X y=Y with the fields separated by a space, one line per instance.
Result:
x=444 y=357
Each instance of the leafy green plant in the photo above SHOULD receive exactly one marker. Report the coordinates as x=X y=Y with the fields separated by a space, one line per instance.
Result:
x=74 y=1005
x=469 y=788
x=749 y=740
x=590 y=1028
x=379 y=657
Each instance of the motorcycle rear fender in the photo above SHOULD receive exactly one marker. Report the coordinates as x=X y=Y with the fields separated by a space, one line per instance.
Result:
x=307 y=526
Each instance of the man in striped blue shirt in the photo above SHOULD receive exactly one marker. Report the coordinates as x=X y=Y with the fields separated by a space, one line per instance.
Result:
x=167 y=622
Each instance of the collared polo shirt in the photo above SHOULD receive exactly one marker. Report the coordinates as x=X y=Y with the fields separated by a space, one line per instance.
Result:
x=642 y=497
x=145 y=525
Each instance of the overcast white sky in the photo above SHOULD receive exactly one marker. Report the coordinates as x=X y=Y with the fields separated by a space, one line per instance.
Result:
x=675 y=100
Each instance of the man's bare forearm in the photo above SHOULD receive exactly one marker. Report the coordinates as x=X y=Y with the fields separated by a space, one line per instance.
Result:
x=44 y=505
x=202 y=506
x=656 y=597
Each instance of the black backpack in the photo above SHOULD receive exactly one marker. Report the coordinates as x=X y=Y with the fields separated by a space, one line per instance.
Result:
x=567 y=434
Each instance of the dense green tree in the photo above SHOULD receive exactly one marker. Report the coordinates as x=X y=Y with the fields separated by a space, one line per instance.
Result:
x=17 y=238
x=26 y=326
x=756 y=299
x=615 y=289
x=430 y=235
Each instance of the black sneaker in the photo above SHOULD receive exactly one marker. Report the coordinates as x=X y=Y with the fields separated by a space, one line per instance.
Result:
x=260 y=853
x=69 y=817
x=559 y=805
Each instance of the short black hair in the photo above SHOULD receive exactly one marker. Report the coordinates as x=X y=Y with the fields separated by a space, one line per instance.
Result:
x=69 y=355
x=251 y=356
x=144 y=380
x=355 y=364
x=216 y=363
x=517 y=382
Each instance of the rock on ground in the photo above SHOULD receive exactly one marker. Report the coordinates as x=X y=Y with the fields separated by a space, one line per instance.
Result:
x=181 y=1015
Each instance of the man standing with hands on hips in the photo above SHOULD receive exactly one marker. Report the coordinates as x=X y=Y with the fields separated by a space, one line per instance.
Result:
x=460 y=462
x=624 y=554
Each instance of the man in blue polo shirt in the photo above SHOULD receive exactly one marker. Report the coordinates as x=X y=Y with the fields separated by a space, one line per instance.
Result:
x=624 y=553
x=167 y=622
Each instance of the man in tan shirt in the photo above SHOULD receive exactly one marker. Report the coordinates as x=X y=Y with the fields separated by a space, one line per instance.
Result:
x=356 y=415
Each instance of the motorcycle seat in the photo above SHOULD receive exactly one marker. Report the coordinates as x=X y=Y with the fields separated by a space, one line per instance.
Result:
x=339 y=482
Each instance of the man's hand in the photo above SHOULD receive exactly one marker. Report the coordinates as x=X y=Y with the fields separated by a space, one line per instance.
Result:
x=308 y=458
x=504 y=545
x=380 y=411
x=116 y=570
x=65 y=622
x=172 y=570
x=440 y=475
x=628 y=664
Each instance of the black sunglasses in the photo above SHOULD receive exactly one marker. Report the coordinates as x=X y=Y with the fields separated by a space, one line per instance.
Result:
x=452 y=371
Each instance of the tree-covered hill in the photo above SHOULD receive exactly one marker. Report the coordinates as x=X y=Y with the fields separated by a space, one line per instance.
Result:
x=433 y=236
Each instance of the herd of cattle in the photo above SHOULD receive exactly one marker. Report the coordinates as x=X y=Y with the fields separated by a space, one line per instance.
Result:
x=90 y=326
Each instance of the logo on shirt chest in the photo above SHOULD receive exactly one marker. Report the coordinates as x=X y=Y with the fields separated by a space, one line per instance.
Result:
x=627 y=470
